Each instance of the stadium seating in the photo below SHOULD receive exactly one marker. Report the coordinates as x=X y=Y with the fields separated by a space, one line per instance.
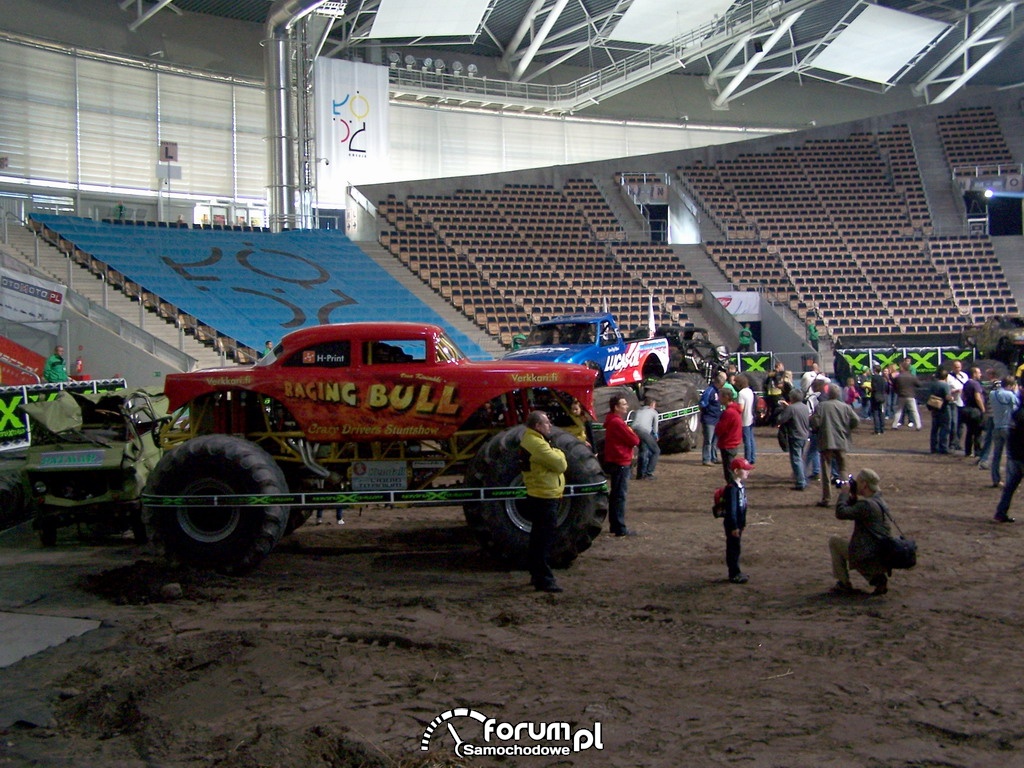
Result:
x=527 y=252
x=971 y=137
x=201 y=277
x=841 y=228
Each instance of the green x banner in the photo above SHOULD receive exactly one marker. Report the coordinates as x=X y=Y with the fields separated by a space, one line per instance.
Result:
x=754 y=361
x=16 y=428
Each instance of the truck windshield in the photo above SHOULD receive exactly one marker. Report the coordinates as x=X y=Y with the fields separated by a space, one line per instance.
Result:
x=561 y=333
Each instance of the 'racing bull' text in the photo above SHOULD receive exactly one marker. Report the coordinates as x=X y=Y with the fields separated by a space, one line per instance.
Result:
x=420 y=398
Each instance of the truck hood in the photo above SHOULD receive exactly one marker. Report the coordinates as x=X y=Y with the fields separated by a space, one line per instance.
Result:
x=561 y=353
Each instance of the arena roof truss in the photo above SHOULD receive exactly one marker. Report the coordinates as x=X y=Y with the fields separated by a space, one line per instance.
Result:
x=986 y=33
x=517 y=49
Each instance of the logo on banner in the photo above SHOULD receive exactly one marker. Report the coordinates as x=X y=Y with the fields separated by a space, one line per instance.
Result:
x=725 y=301
x=493 y=738
x=349 y=115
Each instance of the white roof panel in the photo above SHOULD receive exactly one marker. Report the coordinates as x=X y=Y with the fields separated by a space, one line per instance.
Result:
x=878 y=44
x=416 y=18
x=657 y=21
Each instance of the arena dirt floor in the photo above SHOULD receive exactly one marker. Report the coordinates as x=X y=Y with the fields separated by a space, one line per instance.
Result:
x=350 y=642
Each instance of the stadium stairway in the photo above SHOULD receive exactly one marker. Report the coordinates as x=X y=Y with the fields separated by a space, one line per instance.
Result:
x=946 y=209
x=55 y=264
x=708 y=274
x=629 y=217
x=380 y=255
x=1010 y=253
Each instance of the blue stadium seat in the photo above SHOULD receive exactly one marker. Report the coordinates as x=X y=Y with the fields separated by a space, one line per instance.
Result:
x=260 y=283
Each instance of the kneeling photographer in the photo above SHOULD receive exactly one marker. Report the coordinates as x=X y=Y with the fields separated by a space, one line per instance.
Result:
x=860 y=501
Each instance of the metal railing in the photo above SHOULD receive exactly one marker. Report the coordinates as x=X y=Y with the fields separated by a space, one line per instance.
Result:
x=644 y=65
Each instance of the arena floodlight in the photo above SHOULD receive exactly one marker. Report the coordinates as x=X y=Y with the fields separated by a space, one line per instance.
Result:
x=410 y=61
x=472 y=70
x=394 y=58
x=457 y=67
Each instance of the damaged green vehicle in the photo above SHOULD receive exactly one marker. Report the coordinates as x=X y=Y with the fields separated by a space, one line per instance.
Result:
x=89 y=457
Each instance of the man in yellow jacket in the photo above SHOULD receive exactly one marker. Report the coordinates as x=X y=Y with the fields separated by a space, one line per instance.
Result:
x=544 y=475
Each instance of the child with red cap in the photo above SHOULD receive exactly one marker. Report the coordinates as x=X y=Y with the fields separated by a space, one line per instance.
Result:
x=735 y=517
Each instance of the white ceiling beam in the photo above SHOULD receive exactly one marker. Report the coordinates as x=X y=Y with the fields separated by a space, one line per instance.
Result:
x=727 y=58
x=538 y=39
x=979 y=65
x=564 y=52
x=525 y=24
x=973 y=39
x=723 y=98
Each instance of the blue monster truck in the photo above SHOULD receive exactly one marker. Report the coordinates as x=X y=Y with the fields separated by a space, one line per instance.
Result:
x=594 y=340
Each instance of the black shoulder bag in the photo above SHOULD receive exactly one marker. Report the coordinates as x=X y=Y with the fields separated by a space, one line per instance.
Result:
x=898 y=552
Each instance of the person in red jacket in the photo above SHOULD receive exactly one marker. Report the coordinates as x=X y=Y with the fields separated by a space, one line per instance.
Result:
x=619 y=442
x=729 y=431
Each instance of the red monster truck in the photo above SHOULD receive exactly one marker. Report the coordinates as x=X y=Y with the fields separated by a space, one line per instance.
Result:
x=360 y=413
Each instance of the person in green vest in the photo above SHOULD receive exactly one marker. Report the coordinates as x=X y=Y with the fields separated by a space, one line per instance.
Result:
x=746 y=339
x=56 y=368
x=812 y=333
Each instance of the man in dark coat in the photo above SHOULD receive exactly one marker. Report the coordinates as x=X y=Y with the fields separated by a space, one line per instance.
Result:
x=863 y=551
x=833 y=421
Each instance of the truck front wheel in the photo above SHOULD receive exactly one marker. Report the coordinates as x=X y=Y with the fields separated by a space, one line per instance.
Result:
x=677 y=392
x=499 y=526
x=226 y=538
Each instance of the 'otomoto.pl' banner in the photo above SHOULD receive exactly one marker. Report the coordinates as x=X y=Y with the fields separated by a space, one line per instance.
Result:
x=31 y=300
x=351 y=126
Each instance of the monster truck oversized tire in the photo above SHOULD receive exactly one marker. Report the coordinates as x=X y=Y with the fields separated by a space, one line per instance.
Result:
x=228 y=539
x=296 y=519
x=498 y=525
x=603 y=395
x=674 y=392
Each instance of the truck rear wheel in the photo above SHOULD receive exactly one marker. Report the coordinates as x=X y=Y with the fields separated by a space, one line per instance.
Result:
x=228 y=539
x=499 y=526
x=673 y=393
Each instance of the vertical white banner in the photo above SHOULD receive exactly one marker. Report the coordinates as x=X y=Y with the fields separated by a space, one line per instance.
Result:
x=351 y=104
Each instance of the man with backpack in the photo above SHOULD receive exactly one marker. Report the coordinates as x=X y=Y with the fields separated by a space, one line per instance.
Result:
x=731 y=505
x=861 y=502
